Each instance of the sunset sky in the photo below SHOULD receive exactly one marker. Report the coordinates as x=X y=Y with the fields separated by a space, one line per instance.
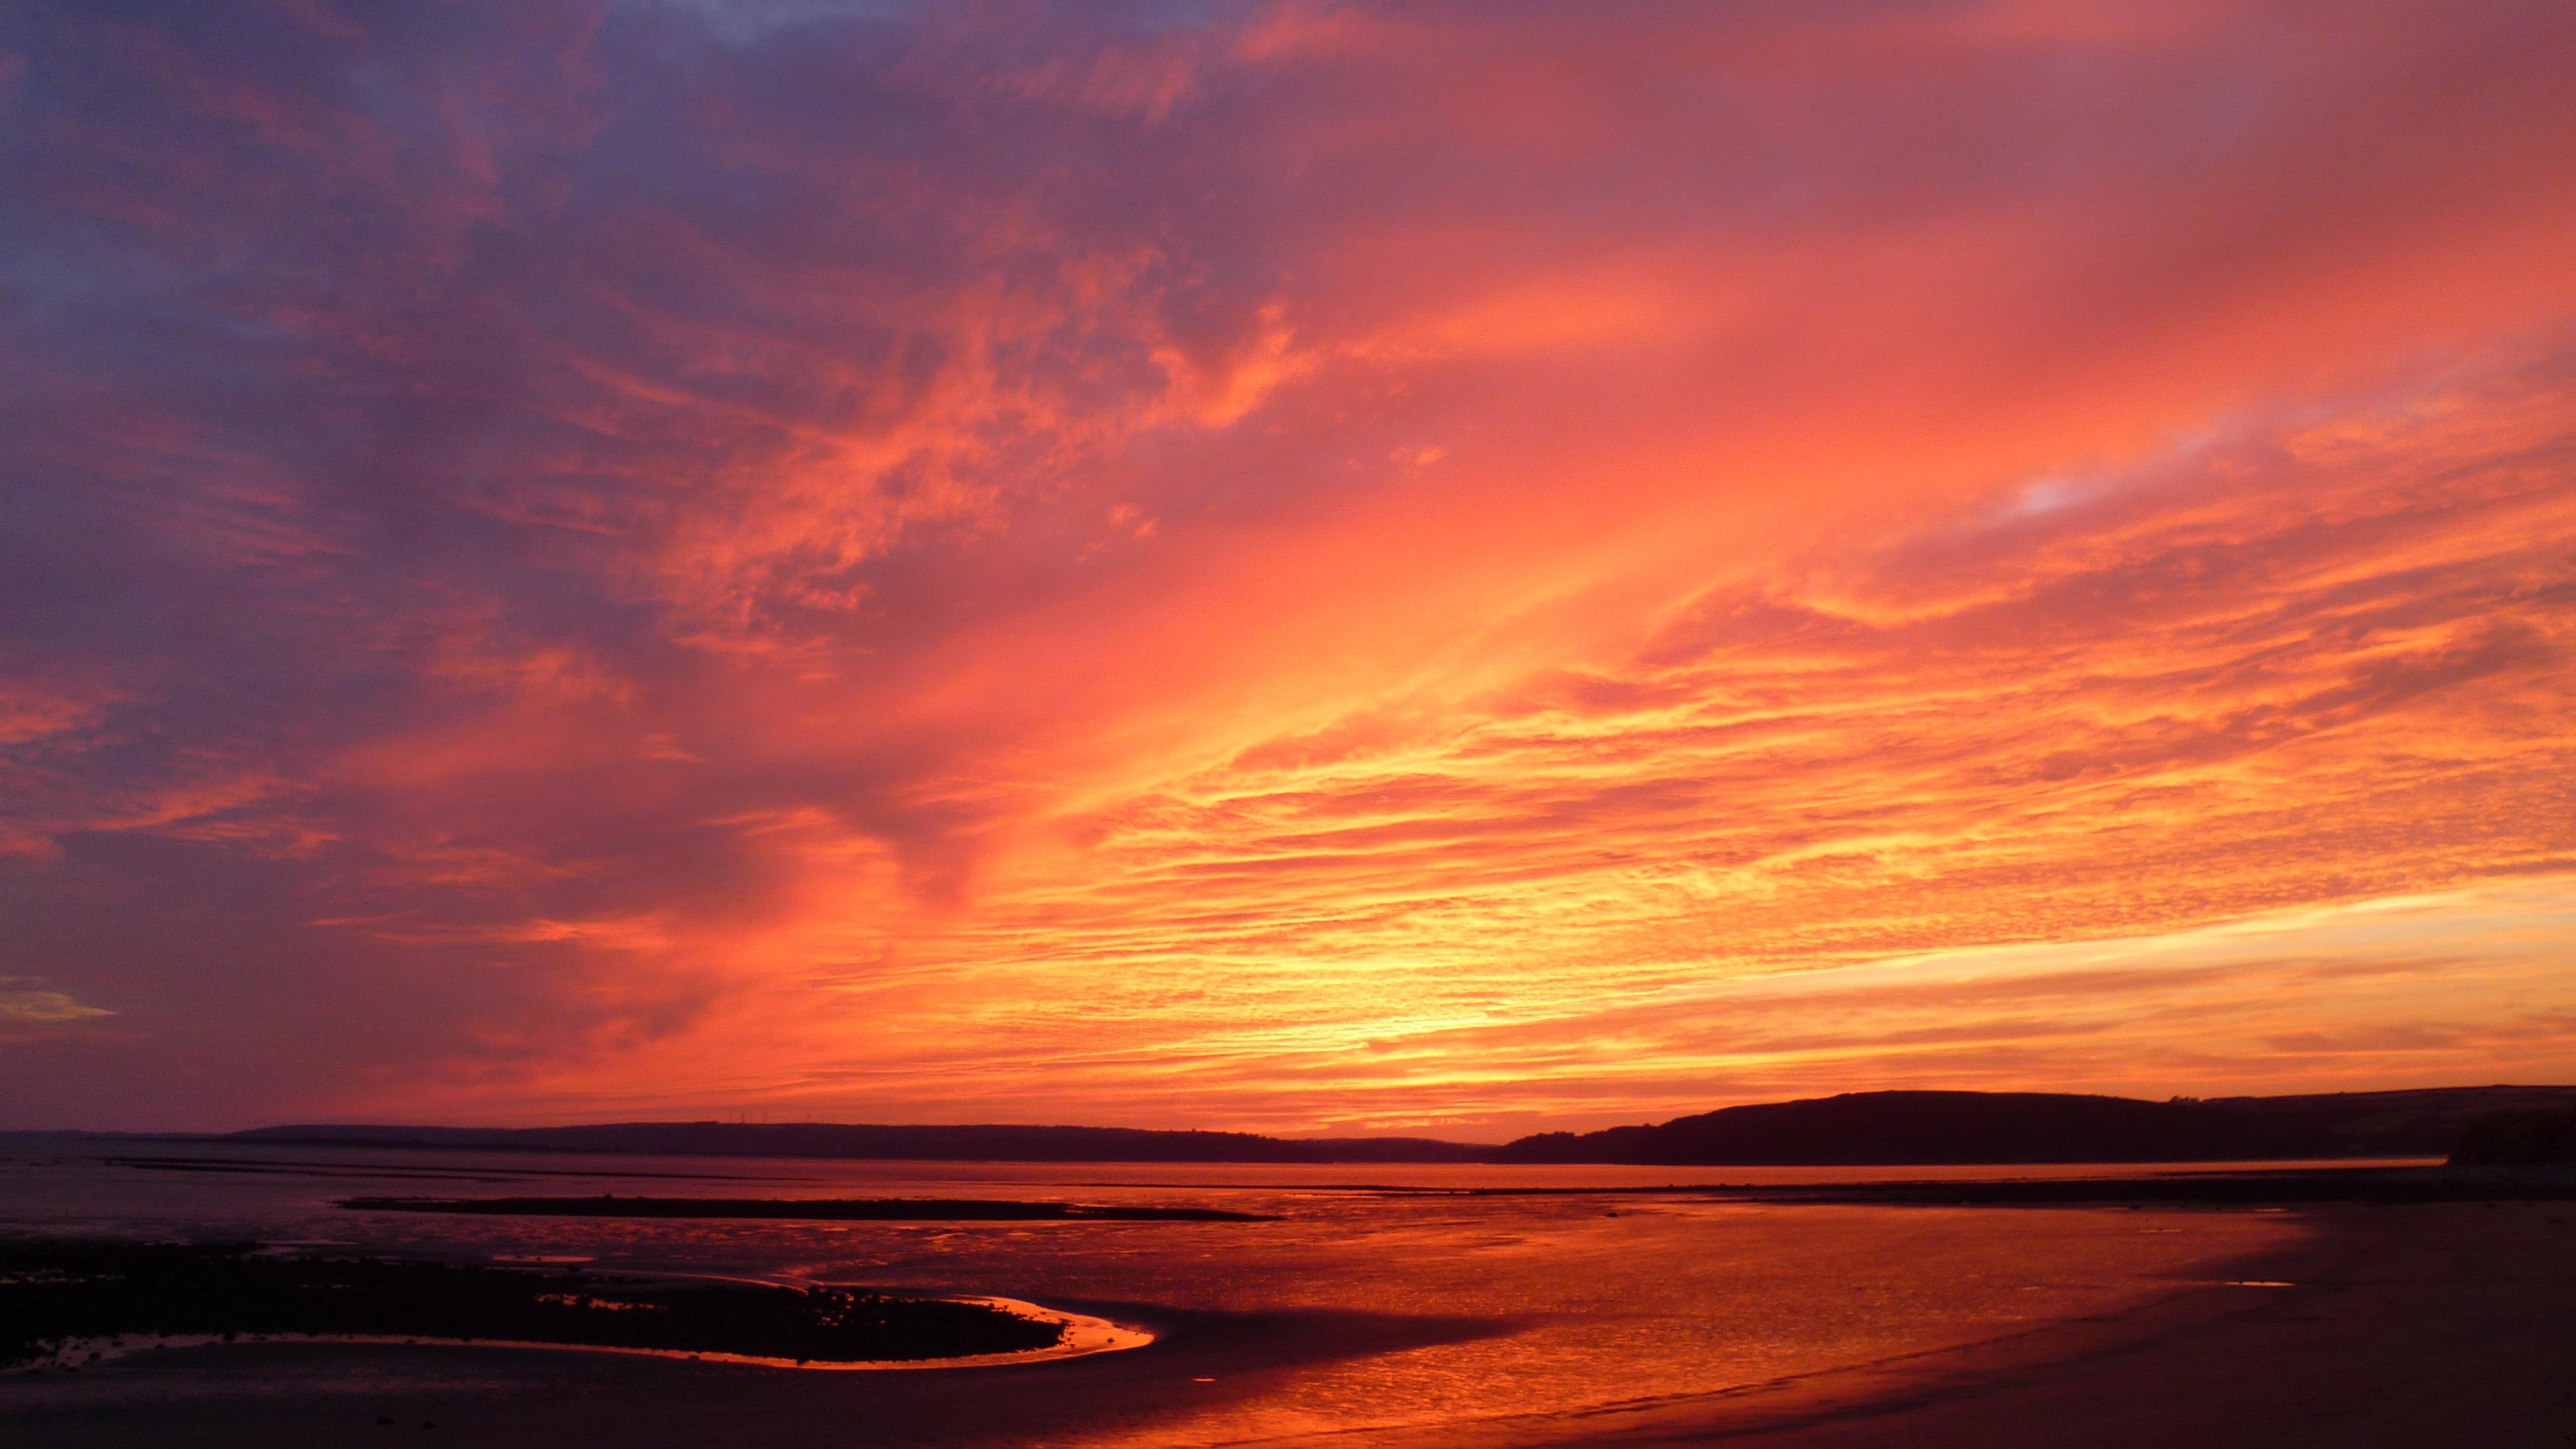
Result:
x=1445 y=567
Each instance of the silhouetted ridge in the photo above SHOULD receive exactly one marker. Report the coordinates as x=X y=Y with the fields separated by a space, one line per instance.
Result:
x=1860 y=1128
x=1892 y=1128
x=2541 y=1137
x=926 y=1144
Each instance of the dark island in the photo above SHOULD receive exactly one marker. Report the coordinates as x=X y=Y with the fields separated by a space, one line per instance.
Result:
x=53 y=1292
x=829 y=1209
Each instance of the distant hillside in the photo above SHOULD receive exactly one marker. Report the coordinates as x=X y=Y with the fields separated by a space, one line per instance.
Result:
x=928 y=1144
x=1868 y=1128
x=2533 y=1137
x=1862 y=1128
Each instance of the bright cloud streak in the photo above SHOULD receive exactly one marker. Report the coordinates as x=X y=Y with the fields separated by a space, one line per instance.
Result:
x=1279 y=565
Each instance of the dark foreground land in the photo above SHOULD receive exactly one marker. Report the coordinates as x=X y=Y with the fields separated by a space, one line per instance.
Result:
x=2387 y=1325
x=55 y=1291
x=828 y=1209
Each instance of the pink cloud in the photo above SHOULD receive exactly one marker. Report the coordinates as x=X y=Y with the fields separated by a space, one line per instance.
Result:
x=1311 y=556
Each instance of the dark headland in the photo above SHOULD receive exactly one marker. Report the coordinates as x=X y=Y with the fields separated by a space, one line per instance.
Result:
x=1920 y=1128
x=1860 y=1128
x=973 y=1143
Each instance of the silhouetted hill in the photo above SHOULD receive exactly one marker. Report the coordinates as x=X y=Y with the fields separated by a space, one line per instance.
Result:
x=1860 y=1128
x=2537 y=1137
x=1970 y=1127
x=929 y=1144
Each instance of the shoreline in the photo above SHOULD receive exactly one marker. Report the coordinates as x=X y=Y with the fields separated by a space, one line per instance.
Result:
x=2385 y=1324
x=1083 y=1336
x=2399 y=1325
x=67 y=1303
x=790 y=1209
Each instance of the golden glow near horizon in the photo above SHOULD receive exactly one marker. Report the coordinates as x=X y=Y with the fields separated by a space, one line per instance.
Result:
x=1298 y=567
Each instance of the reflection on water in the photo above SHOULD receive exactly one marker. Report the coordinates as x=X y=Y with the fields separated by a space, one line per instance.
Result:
x=1596 y=1300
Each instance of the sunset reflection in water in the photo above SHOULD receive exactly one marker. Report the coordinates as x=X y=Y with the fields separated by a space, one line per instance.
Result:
x=1534 y=1307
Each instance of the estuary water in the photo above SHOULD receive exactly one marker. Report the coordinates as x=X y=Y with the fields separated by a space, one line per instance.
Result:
x=1562 y=1301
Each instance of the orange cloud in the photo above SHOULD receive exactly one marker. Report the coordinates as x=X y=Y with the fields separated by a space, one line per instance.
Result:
x=1316 y=566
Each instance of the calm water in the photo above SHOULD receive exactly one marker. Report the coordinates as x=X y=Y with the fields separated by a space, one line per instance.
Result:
x=1599 y=1301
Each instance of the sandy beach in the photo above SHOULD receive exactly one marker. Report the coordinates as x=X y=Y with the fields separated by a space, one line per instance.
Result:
x=2400 y=1325
x=2414 y=1326
x=294 y=1395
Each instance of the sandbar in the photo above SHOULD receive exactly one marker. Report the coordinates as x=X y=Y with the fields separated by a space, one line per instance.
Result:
x=822 y=1209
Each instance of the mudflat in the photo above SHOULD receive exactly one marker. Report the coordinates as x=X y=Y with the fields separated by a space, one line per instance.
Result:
x=821 y=1209
x=2409 y=1326
x=304 y=1396
x=2399 y=1325
x=65 y=1303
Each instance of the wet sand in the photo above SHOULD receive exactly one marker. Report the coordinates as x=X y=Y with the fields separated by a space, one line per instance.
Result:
x=2409 y=1325
x=2401 y=1326
x=1083 y=1336
x=296 y=1395
x=816 y=1209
